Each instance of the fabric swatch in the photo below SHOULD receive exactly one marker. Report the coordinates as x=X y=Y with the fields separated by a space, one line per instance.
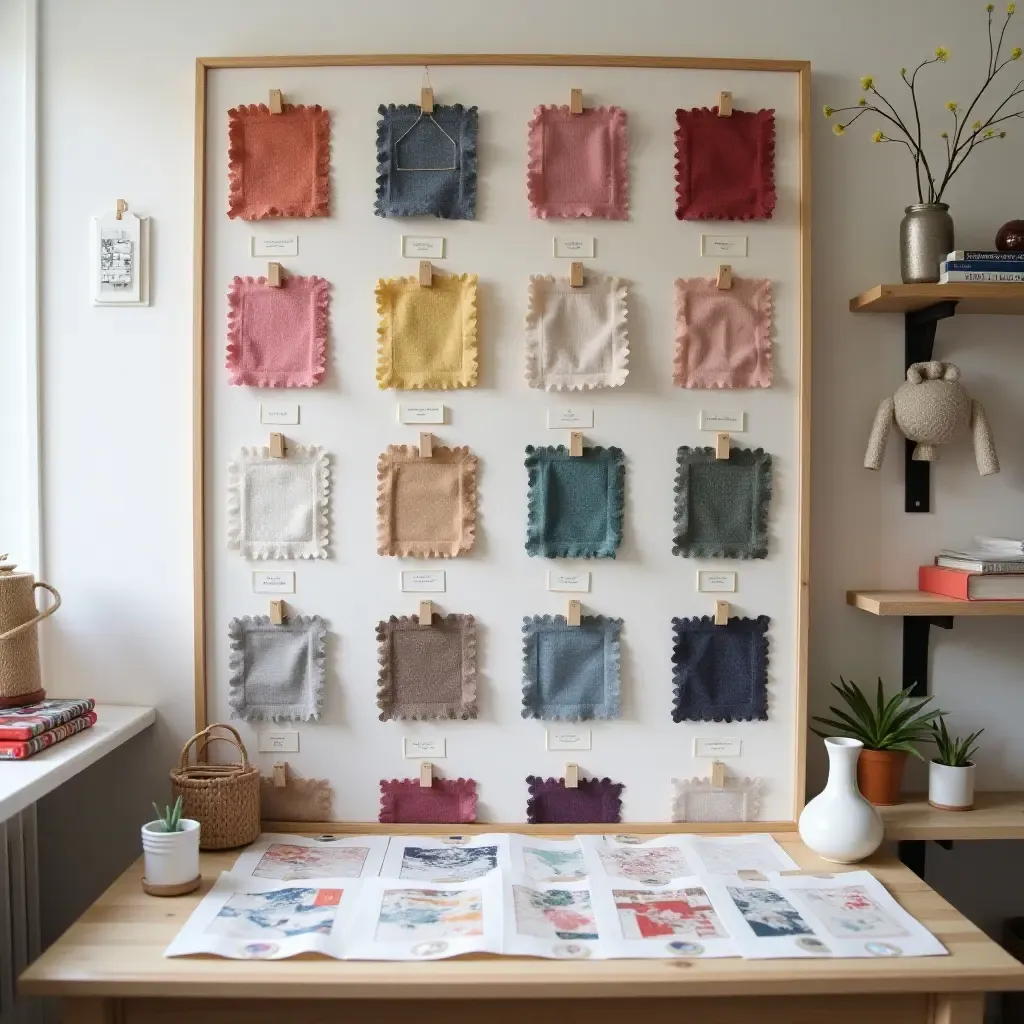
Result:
x=720 y=673
x=697 y=800
x=297 y=800
x=445 y=802
x=721 y=506
x=593 y=800
x=278 y=508
x=725 y=166
x=723 y=335
x=277 y=672
x=576 y=338
x=577 y=163
x=279 y=165
x=426 y=337
x=426 y=508
x=277 y=337
x=575 y=502
x=571 y=673
x=426 y=163
x=427 y=671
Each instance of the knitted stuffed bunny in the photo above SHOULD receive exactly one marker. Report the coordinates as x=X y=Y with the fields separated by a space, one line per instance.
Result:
x=930 y=408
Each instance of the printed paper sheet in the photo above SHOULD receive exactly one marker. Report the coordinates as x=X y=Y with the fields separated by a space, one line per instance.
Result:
x=450 y=859
x=289 y=858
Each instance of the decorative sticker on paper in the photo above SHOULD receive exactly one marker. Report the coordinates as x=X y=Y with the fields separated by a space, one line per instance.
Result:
x=554 y=913
x=429 y=914
x=680 y=913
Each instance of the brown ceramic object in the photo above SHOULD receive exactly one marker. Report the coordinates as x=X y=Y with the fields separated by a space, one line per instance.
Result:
x=880 y=775
x=1010 y=237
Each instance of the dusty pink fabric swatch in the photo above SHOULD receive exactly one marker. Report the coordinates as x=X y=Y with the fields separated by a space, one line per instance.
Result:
x=447 y=801
x=577 y=163
x=723 y=335
x=277 y=337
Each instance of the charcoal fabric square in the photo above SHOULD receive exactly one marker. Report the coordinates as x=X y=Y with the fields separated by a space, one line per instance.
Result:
x=593 y=800
x=575 y=502
x=721 y=506
x=426 y=163
x=720 y=673
x=571 y=673
x=277 y=672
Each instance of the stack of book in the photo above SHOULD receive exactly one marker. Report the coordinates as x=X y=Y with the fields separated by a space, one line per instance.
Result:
x=27 y=730
x=983 y=266
x=993 y=570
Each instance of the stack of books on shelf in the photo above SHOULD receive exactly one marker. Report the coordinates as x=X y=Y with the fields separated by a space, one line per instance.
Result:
x=26 y=731
x=993 y=570
x=982 y=266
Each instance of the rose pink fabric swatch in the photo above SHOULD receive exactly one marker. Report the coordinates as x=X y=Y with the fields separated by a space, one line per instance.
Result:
x=577 y=163
x=279 y=165
x=277 y=337
x=446 y=802
x=723 y=335
x=593 y=800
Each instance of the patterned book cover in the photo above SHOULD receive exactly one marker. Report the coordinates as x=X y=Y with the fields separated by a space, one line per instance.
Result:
x=31 y=720
x=21 y=749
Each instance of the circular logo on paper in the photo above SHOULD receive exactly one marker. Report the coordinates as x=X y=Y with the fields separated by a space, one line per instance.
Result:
x=882 y=949
x=680 y=948
x=327 y=839
x=571 y=951
x=259 y=950
x=813 y=945
x=628 y=840
x=429 y=948
x=455 y=840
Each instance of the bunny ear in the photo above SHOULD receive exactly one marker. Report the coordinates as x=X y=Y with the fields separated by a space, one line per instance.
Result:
x=951 y=372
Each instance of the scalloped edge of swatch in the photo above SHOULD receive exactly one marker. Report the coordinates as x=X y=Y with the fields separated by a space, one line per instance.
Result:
x=461 y=789
x=608 y=790
x=753 y=788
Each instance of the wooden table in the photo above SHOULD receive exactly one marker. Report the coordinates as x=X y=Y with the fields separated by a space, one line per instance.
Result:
x=109 y=969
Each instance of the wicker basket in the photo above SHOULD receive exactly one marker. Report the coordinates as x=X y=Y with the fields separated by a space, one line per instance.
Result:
x=223 y=798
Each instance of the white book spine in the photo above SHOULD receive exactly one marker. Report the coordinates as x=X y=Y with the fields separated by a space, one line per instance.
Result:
x=981 y=277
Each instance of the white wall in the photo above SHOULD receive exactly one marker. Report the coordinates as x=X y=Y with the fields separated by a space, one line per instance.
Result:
x=117 y=95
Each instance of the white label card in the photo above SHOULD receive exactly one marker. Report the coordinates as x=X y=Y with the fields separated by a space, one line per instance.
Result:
x=568 y=738
x=723 y=245
x=731 y=420
x=420 y=412
x=563 y=416
x=414 y=747
x=423 y=247
x=284 y=413
x=703 y=747
x=274 y=245
x=272 y=741
x=574 y=247
x=422 y=581
x=569 y=581
x=715 y=582
x=278 y=581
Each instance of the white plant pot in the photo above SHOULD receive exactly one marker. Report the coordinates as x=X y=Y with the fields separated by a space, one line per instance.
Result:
x=949 y=788
x=171 y=858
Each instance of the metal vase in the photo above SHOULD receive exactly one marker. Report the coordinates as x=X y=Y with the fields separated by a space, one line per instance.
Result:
x=926 y=238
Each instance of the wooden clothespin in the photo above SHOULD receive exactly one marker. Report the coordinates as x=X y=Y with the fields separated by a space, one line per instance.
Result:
x=426 y=774
x=277 y=613
x=573 y=611
x=575 y=274
x=277 y=446
x=274 y=275
x=276 y=101
x=724 y=281
x=721 y=613
x=426 y=444
x=572 y=776
x=717 y=774
x=753 y=875
x=120 y=208
x=426 y=100
x=426 y=616
x=575 y=101
x=576 y=444
x=280 y=774
x=722 y=445
x=725 y=104
x=426 y=274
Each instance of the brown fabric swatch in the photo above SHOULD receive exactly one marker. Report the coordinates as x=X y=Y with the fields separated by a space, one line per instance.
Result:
x=426 y=507
x=427 y=671
x=297 y=800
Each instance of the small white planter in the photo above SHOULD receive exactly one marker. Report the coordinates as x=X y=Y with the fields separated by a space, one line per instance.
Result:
x=949 y=788
x=171 y=858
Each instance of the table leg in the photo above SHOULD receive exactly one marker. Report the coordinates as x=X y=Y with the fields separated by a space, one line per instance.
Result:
x=89 y=1011
x=959 y=1008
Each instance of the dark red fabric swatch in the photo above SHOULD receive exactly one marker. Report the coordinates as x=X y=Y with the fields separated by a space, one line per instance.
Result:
x=446 y=802
x=593 y=800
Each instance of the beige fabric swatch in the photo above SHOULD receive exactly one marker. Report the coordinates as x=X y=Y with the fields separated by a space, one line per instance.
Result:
x=297 y=800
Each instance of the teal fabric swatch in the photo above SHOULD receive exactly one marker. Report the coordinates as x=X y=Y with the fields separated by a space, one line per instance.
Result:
x=721 y=508
x=575 y=502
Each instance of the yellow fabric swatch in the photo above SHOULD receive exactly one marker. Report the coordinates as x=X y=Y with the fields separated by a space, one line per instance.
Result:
x=427 y=336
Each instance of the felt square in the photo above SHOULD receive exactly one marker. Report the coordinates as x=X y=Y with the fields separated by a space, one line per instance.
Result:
x=723 y=335
x=426 y=508
x=725 y=166
x=427 y=671
x=426 y=163
x=571 y=673
x=698 y=800
x=278 y=508
x=593 y=800
x=277 y=672
x=575 y=502
x=277 y=337
x=426 y=337
x=577 y=163
x=721 y=506
x=279 y=165
x=576 y=337
x=720 y=673
x=444 y=802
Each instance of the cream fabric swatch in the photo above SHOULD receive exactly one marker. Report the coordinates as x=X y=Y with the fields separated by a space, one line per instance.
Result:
x=277 y=508
x=576 y=337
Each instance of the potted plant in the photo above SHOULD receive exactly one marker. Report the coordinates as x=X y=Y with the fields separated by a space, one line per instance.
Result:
x=170 y=846
x=889 y=730
x=951 y=771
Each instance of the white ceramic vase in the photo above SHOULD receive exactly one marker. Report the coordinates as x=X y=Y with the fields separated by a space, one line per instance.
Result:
x=171 y=858
x=949 y=788
x=839 y=824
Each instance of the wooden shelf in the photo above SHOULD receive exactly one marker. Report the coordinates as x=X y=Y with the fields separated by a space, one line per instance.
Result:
x=994 y=816
x=916 y=602
x=970 y=298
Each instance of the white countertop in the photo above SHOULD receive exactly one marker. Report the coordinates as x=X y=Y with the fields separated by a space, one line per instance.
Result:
x=23 y=782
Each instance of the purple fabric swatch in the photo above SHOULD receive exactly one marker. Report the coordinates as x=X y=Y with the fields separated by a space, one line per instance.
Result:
x=446 y=802
x=594 y=800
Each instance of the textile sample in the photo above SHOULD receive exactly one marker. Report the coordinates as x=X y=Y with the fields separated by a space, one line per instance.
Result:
x=444 y=802
x=593 y=800
x=698 y=800
x=297 y=800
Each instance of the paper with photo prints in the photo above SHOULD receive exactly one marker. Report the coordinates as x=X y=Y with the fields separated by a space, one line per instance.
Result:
x=288 y=858
x=554 y=921
x=725 y=855
x=547 y=860
x=634 y=860
x=448 y=859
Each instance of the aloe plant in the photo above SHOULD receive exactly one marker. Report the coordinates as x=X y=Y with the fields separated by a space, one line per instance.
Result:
x=170 y=817
x=898 y=724
x=955 y=751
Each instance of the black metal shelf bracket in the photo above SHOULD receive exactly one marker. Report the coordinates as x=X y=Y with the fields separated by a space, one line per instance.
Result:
x=916 y=630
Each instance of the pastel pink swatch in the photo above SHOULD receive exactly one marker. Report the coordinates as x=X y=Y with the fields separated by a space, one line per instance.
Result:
x=446 y=802
x=577 y=163
x=277 y=337
x=723 y=335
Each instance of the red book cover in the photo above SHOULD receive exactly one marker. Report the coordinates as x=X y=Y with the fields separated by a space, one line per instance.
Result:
x=948 y=582
x=18 y=751
x=32 y=719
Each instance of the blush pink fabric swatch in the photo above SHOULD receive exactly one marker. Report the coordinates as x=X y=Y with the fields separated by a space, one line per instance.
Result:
x=577 y=163
x=277 y=337
x=723 y=335
x=446 y=802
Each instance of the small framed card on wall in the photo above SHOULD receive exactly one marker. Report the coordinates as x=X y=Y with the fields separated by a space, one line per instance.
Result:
x=119 y=252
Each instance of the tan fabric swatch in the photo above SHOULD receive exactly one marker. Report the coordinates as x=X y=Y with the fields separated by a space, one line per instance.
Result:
x=297 y=800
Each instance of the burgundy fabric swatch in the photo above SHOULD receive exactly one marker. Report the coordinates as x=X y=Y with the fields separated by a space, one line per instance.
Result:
x=593 y=800
x=725 y=166
x=446 y=802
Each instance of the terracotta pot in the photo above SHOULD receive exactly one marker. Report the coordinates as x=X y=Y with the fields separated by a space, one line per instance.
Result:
x=880 y=775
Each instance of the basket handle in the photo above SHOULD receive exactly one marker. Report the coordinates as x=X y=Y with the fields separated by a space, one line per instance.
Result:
x=39 y=616
x=207 y=738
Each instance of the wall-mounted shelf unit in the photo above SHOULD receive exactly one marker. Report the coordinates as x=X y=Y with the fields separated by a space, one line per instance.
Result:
x=994 y=816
